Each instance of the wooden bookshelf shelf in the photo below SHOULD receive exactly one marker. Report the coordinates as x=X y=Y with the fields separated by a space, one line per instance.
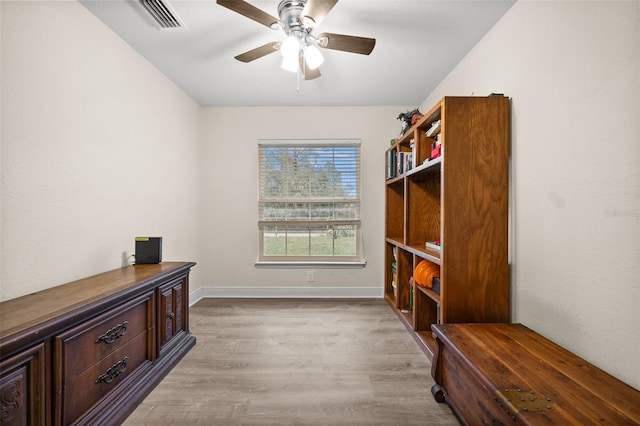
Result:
x=430 y=294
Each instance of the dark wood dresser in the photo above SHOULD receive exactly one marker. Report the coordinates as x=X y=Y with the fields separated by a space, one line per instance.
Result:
x=89 y=351
x=502 y=374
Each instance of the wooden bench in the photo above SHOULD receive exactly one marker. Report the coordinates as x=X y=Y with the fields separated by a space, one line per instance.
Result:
x=508 y=374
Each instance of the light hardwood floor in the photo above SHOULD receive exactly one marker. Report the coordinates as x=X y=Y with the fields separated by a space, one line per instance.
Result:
x=296 y=362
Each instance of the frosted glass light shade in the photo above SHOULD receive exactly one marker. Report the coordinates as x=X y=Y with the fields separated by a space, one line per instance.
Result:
x=290 y=47
x=290 y=63
x=313 y=56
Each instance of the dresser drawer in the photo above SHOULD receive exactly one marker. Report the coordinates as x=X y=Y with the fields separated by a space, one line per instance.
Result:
x=80 y=392
x=89 y=343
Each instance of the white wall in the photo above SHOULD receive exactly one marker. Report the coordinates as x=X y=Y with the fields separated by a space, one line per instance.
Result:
x=230 y=184
x=572 y=69
x=97 y=148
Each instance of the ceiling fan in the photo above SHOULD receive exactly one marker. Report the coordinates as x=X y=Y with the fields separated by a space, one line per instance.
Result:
x=298 y=18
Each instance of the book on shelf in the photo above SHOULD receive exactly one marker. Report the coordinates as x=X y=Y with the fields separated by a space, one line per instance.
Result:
x=434 y=245
x=434 y=129
x=411 y=296
x=399 y=163
x=391 y=164
x=404 y=162
x=394 y=276
x=414 y=157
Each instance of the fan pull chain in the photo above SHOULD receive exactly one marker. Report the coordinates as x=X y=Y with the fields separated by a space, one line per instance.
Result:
x=298 y=80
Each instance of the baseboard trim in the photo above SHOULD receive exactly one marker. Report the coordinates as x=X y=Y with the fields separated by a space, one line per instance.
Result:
x=285 y=292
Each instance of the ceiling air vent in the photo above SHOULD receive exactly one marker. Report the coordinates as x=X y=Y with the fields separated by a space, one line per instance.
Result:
x=161 y=13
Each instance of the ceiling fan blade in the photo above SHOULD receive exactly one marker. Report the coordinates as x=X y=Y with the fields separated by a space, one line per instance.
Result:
x=315 y=11
x=309 y=74
x=259 y=52
x=346 y=43
x=250 y=11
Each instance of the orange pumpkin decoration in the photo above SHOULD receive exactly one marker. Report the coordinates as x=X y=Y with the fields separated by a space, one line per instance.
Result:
x=424 y=273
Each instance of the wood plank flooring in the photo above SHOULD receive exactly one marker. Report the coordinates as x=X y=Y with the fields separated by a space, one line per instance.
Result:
x=296 y=362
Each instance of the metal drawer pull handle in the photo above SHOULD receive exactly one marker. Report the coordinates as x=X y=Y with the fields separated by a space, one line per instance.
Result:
x=114 y=371
x=114 y=333
x=171 y=315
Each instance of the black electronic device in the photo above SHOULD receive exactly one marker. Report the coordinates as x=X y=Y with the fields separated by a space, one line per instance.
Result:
x=148 y=250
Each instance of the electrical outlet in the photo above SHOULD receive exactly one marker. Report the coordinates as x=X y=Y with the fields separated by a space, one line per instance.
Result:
x=310 y=277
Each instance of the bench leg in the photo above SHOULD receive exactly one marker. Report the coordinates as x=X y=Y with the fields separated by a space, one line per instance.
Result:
x=438 y=393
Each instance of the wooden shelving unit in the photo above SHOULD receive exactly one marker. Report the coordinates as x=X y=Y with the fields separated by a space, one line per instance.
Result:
x=460 y=198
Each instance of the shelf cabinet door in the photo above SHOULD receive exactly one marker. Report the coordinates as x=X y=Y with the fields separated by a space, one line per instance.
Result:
x=172 y=310
x=22 y=388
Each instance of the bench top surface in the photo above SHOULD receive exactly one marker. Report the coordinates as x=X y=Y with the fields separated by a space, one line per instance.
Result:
x=514 y=362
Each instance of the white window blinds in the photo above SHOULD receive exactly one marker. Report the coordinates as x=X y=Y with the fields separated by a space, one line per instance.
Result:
x=309 y=199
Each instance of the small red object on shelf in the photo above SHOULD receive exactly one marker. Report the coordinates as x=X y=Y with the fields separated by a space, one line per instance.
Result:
x=435 y=152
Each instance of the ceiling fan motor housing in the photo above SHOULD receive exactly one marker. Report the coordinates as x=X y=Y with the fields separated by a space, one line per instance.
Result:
x=289 y=12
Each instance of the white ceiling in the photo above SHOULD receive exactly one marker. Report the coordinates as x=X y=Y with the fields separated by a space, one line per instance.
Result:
x=418 y=42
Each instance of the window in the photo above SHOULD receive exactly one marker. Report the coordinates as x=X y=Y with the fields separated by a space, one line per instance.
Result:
x=309 y=201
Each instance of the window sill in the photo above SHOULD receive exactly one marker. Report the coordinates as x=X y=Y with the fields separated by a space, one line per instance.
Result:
x=323 y=265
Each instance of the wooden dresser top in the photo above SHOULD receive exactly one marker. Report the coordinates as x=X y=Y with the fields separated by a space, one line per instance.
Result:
x=19 y=315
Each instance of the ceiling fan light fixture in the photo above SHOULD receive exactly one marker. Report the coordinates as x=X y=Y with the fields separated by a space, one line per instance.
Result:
x=290 y=63
x=290 y=47
x=297 y=19
x=313 y=57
